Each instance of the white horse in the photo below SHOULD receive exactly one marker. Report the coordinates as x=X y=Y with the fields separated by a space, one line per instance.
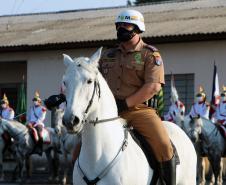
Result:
x=108 y=154
x=25 y=145
x=68 y=141
x=213 y=144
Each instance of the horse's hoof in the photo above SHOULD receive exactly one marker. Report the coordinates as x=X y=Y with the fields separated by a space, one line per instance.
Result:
x=64 y=181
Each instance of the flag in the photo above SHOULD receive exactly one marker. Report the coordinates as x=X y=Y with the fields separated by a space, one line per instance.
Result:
x=215 y=91
x=160 y=102
x=21 y=104
x=174 y=94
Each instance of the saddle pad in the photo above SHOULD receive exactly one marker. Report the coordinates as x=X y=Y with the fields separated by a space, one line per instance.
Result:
x=46 y=136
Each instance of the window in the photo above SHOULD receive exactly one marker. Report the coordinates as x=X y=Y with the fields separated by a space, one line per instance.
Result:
x=185 y=88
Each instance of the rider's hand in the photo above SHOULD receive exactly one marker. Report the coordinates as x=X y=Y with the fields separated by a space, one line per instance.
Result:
x=54 y=101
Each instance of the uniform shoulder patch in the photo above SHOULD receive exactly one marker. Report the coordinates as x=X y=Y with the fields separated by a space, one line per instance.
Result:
x=158 y=58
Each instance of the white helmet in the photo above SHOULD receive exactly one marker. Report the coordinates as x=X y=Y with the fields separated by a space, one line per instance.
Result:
x=133 y=17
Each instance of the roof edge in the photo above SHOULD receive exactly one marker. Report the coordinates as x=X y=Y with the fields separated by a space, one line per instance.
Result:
x=110 y=43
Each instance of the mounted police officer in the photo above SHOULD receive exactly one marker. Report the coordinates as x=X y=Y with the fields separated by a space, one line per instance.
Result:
x=7 y=112
x=201 y=107
x=36 y=117
x=135 y=73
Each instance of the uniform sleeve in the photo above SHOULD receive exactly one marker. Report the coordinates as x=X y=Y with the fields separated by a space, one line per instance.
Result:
x=206 y=112
x=154 y=68
x=42 y=115
x=11 y=114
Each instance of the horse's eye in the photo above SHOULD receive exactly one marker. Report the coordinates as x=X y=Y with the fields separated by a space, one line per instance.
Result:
x=89 y=81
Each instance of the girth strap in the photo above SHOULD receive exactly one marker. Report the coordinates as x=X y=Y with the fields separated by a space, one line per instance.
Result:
x=91 y=182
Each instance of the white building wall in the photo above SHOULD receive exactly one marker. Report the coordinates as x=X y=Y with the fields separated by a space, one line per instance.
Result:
x=45 y=68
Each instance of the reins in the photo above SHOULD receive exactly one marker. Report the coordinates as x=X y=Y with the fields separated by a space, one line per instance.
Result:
x=96 y=89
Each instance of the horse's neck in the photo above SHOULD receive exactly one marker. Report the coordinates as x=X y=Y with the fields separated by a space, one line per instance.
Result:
x=15 y=129
x=208 y=129
x=104 y=139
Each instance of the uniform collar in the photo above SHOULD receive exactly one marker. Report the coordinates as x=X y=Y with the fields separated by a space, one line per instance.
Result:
x=137 y=47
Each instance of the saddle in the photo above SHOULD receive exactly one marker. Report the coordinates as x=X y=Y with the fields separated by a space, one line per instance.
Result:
x=45 y=135
x=39 y=141
x=140 y=140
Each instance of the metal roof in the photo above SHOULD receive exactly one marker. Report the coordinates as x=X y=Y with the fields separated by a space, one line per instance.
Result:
x=201 y=17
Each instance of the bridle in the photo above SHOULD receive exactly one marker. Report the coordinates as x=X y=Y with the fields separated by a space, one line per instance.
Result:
x=96 y=90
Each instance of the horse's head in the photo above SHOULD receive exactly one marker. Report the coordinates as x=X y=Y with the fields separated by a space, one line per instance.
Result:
x=196 y=125
x=81 y=88
x=57 y=120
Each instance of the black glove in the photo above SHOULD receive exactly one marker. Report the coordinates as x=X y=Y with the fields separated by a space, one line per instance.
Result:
x=54 y=101
x=121 y=105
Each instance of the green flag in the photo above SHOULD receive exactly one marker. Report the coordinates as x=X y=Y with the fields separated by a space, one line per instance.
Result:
x=21 y=104
x=160 y=102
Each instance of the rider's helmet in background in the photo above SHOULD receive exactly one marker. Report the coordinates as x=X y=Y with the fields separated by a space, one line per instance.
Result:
x=201 y=95
x=4 y=100
x=37 y=97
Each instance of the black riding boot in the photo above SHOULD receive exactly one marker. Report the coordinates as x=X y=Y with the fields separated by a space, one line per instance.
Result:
x=168 y=171
x=40 y=146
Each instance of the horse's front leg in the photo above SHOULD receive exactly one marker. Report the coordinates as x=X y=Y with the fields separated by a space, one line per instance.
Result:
x=216 y=164
x=64 y=180
x=50 y=164
x=28 y=165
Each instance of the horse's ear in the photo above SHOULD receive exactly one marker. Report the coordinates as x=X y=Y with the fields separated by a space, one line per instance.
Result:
x=67 y=60
x=94 y=59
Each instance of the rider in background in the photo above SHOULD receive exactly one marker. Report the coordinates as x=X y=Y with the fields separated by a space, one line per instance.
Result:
x=7 y=112
x=135 y=73
x=36 y=117
x=176 y=107
x=201 y=107
x=220 y=114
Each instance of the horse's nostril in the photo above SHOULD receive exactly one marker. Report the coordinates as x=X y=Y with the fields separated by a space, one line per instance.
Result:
x=76 y=120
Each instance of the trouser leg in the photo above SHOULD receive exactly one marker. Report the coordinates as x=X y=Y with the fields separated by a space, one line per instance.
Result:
x=148 y=124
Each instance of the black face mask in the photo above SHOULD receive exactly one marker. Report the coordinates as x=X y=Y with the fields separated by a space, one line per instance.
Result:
x=124 y=35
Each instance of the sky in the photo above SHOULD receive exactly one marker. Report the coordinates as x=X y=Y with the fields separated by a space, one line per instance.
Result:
x=10 y=7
